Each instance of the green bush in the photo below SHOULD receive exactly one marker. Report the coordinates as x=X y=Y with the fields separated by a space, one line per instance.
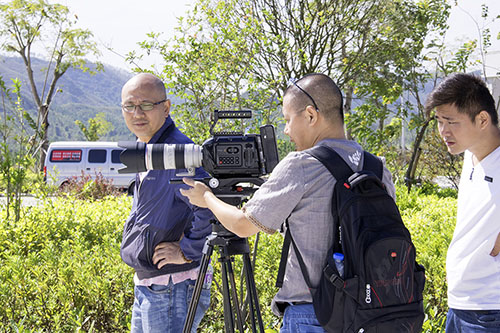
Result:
x=431 y=221
x=61 y=270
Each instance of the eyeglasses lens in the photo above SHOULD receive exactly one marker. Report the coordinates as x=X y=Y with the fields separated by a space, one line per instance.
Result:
x=143 y=106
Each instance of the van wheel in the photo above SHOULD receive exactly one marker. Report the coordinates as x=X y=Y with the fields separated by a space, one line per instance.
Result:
x=131 y=188
x=64 y=187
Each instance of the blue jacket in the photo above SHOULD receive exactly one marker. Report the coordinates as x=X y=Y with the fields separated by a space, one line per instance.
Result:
x=161 y=214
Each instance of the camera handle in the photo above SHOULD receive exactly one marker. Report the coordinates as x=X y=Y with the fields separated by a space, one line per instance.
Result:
x=228 y=247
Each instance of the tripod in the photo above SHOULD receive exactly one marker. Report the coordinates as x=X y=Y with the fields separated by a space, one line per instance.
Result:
x=229 y=245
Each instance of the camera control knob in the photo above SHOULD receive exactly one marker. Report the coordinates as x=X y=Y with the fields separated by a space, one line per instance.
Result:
x=213 y=183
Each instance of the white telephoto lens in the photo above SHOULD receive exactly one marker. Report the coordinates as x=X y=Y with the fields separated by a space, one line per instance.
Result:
x=192 y=155
x=169 y=157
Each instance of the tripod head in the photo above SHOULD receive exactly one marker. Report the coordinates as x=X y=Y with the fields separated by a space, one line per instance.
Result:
x=233 y=191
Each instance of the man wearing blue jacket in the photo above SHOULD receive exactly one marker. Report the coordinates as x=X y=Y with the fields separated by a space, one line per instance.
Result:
x=164 y=235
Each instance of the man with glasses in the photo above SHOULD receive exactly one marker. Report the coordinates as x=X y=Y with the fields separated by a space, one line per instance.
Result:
x=300 y=189
x=164 y=235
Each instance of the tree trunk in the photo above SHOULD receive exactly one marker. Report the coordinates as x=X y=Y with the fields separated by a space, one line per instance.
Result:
x=412 y=166
x=44 y=142
x=347 y=108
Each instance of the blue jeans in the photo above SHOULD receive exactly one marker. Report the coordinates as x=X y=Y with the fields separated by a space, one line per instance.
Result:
x=160 y=308
x=300 y=319
x=465 y=321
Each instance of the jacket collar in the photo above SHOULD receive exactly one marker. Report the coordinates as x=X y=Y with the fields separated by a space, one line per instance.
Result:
x=168 y=122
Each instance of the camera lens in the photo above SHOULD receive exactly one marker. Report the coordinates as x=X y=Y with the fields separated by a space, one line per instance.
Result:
x=172 y=156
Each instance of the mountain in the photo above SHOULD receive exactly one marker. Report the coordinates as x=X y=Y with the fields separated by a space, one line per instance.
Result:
x=79 y=96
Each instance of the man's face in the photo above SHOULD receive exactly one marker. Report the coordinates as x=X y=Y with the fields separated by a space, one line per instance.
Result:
x=144 y=124
x=297 y=125
x=457 y=129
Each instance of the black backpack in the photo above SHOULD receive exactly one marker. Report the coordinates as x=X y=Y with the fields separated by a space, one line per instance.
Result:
x=381 y=290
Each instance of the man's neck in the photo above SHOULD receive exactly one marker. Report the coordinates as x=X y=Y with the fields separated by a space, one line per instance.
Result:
x=489 y=145
x=330 y=132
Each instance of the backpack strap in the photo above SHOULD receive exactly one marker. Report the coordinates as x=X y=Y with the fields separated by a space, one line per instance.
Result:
x=374 y=164
x=332 y=161
x=336 y=165
x=284 y=255
x=339 y=168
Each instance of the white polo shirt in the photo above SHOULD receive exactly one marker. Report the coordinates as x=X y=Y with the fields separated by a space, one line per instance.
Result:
x=473 y=275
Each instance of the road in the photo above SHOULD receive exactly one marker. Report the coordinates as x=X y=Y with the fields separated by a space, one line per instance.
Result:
x=27 y=201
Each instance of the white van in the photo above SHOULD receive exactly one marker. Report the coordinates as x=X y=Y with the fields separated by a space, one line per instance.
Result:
x=67 y=159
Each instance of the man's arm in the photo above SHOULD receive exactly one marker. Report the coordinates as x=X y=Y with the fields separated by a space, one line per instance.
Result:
x=229 y=216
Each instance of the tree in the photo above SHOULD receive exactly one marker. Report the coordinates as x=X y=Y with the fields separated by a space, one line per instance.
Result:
x=251 y=49
x=421 y=119
x=26 y=26
x=97 y=127
x=393 y=77
x=207 y=65
x=16 y=147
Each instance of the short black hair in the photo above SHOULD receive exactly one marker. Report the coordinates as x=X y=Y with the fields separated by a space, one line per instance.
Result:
x=323 y=90
x=467 y=92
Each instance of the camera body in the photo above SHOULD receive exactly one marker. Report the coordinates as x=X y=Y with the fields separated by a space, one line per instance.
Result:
x=224 y=155
x=249 y=155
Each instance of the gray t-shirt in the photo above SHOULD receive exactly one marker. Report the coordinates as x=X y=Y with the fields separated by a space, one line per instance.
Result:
x=301 y=189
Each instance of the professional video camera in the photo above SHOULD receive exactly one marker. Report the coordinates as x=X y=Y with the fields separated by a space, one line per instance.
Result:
x=224 y=155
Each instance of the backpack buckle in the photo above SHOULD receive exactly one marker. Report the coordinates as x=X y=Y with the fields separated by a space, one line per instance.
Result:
x=333 y=277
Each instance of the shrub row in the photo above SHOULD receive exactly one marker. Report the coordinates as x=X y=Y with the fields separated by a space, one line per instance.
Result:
x=61 y=270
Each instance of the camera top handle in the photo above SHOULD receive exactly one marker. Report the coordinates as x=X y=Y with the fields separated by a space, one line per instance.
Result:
x=228 y=114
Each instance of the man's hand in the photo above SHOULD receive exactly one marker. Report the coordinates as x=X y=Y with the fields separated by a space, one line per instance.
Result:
x=168 y=253
x=196 y=194
x=496 y=248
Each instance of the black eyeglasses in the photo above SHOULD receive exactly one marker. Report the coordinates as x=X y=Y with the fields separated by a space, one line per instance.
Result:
x=294 y=82
x=143 y=106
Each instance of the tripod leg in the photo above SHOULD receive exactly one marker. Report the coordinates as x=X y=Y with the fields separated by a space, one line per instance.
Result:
x=234 y=296
x=228 y=310
x=252 y=291
x=193 y=304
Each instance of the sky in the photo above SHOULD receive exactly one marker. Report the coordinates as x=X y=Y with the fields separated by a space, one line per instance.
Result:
x=120 y=25
x=462 y=22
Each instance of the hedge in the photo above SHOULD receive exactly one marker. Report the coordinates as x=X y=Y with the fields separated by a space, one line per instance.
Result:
x=60 y=268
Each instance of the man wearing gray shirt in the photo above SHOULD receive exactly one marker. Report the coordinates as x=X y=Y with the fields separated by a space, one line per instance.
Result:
x=299 y=188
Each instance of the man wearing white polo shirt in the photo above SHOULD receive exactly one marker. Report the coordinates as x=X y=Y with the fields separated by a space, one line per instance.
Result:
x=468 y=123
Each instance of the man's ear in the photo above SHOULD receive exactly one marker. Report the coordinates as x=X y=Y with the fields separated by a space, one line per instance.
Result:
x=483 y=118
x=311 y=114
x=167 y=105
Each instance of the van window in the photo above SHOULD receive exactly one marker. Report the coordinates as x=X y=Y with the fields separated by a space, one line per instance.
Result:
x=115 y=155
x=97 y=155
x=66 y=155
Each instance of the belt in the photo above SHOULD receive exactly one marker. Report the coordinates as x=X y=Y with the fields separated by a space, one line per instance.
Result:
x=298 y=303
